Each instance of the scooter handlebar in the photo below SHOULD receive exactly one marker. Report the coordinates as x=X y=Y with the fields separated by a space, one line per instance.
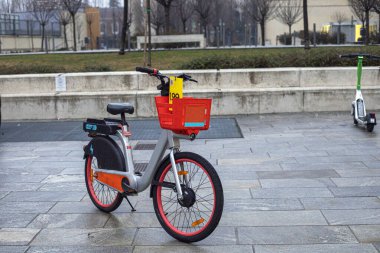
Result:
x=371 y=57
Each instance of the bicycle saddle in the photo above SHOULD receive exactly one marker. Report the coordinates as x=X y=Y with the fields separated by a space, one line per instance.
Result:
x=119 y=108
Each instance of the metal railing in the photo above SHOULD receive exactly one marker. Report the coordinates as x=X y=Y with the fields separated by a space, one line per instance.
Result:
x=28 y=28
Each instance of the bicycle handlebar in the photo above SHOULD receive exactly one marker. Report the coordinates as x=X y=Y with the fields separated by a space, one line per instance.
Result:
x=156 y=73
x=147 y=70
x=371 y=57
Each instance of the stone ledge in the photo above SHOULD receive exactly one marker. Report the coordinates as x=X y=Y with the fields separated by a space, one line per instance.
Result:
x=78 y=105
x=208 y=79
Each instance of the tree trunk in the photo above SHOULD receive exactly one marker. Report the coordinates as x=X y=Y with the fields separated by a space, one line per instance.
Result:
x=338 y=35
x=262 y=26
x=202 y=27
x=367 y=27
x=65 y=36
x=167 y=20
x=290 y=35
x=306 y=25
x=184 y=26
x=378 y=35
x=74 y=33
x=31 y=36
x=124 y=29
x=42 y=38
x=91 y=42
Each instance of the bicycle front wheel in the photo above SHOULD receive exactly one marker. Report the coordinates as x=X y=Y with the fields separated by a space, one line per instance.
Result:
x=198 y=213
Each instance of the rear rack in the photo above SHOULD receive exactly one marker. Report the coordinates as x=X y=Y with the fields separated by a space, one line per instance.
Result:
x=105 y=126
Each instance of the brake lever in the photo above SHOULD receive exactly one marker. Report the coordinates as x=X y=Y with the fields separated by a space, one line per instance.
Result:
x=193 y=80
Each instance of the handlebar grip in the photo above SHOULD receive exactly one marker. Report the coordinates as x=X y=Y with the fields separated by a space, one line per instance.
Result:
x=147 y=70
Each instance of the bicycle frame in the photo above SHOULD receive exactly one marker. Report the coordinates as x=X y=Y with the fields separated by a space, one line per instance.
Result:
x=167 y=139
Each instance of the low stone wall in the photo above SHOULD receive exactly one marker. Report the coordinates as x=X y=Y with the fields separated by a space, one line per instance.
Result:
x=248 y=91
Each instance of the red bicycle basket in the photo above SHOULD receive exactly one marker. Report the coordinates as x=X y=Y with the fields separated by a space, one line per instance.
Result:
x=188 y=115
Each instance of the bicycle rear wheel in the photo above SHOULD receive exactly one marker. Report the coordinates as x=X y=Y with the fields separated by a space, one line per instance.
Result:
x=104 y=197
x=197 y=215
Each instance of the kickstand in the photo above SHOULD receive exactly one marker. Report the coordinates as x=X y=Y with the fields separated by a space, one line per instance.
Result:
x=129 y=202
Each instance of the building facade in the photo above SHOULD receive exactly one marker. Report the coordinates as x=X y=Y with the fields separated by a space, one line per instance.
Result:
x=321 y=13
x=21 y=32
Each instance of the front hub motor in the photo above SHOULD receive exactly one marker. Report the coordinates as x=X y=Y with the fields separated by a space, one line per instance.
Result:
x=188 y=197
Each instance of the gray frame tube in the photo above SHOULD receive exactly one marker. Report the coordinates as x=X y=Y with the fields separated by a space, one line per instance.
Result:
x=161 y=146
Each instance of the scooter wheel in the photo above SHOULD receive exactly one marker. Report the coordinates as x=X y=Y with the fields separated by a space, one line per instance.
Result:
x=370 y=127
x=353 y=113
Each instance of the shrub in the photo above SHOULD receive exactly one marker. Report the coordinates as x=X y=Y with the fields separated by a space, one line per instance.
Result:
x=96 y=68
x=327 y=57
x=30 y=69
x=324 y=38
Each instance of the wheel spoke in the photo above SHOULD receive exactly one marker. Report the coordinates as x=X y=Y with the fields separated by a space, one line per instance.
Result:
x=194 y=218
x=103 y=194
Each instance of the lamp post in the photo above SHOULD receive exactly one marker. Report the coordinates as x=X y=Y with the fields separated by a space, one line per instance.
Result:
x=224 y=34
x=149 y=35
x=245 y=35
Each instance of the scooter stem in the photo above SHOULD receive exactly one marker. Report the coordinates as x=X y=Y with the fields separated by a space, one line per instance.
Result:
x=360 y=68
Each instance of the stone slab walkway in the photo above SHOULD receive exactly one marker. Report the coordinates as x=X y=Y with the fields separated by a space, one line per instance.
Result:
x=294 y=183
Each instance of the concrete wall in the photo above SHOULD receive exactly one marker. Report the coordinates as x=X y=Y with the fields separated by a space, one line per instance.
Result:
x=248 y=91
x=185 y=38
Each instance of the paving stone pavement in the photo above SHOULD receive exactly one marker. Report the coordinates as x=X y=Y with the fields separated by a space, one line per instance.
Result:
x=296 y=183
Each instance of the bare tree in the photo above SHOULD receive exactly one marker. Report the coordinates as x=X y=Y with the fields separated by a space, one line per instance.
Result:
x=63 y=18
x=43 y=11
x=204 y=9
x=364 y=6
x=114 y=3
x=11 y=6
x=376 y=8
x=289 y=12
x=90 y=18
x=339 y=17
x=127 y=20
x=357 y=9
x=72 y=6
x=261 y=11
x=138 y=17
x=306 y=25
x=157 y=17
x=223 y=10
x=167 y=5
x=185 y=10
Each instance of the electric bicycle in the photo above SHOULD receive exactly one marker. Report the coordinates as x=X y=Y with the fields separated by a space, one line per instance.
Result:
x=186 y=190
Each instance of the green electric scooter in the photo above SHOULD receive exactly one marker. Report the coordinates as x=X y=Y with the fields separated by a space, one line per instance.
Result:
x=358 y=110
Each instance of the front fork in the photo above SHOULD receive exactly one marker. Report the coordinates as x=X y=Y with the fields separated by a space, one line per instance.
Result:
x=176 y=176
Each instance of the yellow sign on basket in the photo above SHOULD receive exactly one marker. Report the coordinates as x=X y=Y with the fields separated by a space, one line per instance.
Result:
x=175 y=89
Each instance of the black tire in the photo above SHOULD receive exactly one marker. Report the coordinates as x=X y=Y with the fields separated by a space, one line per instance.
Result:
x=104 y=198
x=355 y=121
x=204 y=213
x=370 y=127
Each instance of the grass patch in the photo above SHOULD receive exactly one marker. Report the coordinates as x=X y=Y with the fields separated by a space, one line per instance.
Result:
x=183 y=59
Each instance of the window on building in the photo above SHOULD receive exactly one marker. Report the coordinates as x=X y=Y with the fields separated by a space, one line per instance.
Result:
x=115 y=28
x=102 y=28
